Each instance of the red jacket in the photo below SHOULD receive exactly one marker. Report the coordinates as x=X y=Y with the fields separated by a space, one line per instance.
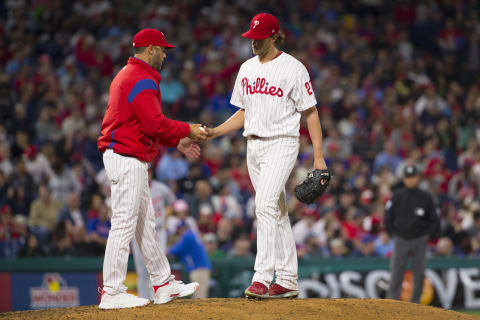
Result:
x=134 y=123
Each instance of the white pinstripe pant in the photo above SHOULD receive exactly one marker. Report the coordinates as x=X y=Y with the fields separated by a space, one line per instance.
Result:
x=132 y=214
x=144 y=288
x=270 y=162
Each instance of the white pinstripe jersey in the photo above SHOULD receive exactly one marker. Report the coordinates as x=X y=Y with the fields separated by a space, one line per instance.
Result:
x=273 y=94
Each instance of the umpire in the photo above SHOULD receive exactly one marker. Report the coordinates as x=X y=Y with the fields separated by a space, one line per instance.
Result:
x=411 y=219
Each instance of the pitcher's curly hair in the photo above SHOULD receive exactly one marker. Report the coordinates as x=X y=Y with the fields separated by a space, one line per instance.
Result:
x=280 y=38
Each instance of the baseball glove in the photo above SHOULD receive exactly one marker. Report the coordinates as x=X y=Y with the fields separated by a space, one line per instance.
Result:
x=312 y=187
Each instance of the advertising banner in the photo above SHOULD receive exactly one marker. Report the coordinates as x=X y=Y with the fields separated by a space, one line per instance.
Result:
x=53 y=290
x=456 y=288
x=450 y=288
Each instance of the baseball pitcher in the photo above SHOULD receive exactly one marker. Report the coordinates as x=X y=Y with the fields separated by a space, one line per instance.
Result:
x=273 y=90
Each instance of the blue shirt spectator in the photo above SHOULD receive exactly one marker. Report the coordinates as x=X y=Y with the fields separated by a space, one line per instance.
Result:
x=383 y=245
x=99 y=226
x=387 y=158
x=190 y=250
x=172 y=166
x=220 y=105
x=172 y=89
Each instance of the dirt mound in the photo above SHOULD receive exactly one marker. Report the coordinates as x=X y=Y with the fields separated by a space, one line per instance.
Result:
x=231 y=309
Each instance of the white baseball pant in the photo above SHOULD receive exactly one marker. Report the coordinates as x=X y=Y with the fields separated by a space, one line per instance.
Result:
x=144 y=287
x=132 y=213
x=270 y=162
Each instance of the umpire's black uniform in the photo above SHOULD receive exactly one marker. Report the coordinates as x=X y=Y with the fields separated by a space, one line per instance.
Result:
x=411 y=219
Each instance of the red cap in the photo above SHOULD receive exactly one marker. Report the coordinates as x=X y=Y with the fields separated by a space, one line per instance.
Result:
x=6 y=209
x=31 y=151
x=263 y=25
x=146 y=37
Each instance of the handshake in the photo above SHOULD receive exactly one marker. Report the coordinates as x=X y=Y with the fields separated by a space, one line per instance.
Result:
x=199 y=132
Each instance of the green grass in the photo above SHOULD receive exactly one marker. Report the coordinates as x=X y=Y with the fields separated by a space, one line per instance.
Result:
x=471 y=312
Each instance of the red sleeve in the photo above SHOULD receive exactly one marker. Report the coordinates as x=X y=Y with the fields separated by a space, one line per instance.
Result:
x=145 y=104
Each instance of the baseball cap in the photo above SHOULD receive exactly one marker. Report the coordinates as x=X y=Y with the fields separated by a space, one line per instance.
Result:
x=410 y=171
x=210 y=237
x=180 y=205
x=146 y=37
x=263 y=25
x=205 y=210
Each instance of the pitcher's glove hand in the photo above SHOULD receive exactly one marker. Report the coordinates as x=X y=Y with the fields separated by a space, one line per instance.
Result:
x=313 y=186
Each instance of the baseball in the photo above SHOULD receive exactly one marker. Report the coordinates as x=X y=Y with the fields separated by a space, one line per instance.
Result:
x=203 y=129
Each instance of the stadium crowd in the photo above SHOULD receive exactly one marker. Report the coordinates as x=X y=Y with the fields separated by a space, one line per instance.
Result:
x=396 y=83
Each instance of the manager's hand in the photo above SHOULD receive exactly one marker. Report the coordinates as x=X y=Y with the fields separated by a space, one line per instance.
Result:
x=189 y=148
x=197 y=132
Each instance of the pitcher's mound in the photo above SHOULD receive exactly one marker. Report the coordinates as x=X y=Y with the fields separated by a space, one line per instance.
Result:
x=231 y=309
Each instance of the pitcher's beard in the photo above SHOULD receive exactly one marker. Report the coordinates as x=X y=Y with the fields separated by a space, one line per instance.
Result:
x=260 y=53
x=257 y=52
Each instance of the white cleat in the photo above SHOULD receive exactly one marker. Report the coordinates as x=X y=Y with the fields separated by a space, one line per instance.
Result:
x=174 y=289
x=121 y=300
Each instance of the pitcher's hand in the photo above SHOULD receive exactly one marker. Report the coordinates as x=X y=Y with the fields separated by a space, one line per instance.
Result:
x=211 y=134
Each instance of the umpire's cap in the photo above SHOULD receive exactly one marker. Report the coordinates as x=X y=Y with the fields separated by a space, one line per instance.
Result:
x=410 y=171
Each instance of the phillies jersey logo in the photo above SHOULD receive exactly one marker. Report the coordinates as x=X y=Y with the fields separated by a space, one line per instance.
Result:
x=260 y=86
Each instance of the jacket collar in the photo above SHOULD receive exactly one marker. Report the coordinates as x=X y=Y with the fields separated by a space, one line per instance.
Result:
x=153 y=72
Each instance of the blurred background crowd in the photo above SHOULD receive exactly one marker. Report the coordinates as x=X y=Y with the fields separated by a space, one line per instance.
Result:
x=396 y=83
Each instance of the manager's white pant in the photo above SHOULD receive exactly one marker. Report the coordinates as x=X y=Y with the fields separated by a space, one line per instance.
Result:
x=144 y=287
x=132 y=213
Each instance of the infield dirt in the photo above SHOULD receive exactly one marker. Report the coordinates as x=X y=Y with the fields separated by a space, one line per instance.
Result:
x=231 y=309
